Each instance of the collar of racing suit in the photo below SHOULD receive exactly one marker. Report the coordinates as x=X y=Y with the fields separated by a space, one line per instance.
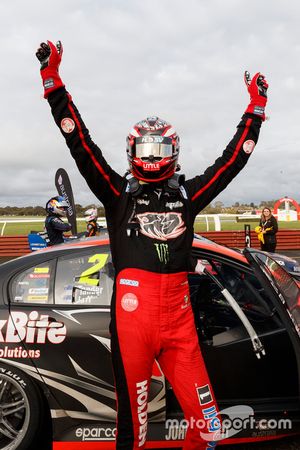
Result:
x=135 y=188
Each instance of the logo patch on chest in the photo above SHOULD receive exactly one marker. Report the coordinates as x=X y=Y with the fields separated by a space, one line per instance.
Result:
x=162 y=226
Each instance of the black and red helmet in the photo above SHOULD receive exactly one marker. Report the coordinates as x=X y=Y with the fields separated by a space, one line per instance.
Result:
x=152 y=150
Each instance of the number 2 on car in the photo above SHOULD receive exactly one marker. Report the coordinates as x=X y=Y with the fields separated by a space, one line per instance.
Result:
x=99 y=261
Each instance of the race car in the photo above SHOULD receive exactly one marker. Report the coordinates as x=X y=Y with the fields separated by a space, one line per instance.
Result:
x=56 y=380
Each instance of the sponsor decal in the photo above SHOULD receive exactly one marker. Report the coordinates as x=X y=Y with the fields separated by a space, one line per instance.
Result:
x=41 y=270
x=38 y=291
x=152 y=139
x=142 y=201
x=176 y=432
x=259 y=110
x=31 y=328
x=18 y=353
x=37 y=298
x=96 y=290
x=49 y=83
x=162 y=252
x=173 y=205
x=186 y=303
x=248 y=146
x=142 y=410
x=96 y=434
x=129 y=282
x=204 y=394
x=67 y=125
x=162 y=226
x=210 y=414
x=153 y=167
x=129 y=302
x=39 y=275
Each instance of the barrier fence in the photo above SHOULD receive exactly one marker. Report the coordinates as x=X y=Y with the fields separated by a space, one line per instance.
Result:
x=14 y=246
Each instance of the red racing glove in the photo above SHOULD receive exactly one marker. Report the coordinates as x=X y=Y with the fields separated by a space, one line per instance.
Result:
x=257 y=88
x=50 y=56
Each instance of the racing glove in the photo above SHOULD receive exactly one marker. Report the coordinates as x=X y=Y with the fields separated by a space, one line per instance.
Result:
x=50 y=56
x=257 y=88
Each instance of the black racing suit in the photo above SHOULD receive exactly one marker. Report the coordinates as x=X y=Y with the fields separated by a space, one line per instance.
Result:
x=55 y=228
x=151 y=234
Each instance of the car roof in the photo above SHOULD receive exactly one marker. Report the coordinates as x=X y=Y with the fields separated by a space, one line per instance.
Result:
x=95 y=241
x=220 y=249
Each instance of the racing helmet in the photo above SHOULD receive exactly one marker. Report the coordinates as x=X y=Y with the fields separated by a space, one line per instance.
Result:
x=152 y=150
x=90 y=214
x=57 y=205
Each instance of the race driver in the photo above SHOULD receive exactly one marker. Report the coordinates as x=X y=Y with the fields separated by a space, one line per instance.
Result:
x=56 y=208
x=150 y=214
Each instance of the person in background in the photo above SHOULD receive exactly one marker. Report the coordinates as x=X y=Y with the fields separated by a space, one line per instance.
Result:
x=56 y=208
x=91 y=216
x=267 y=230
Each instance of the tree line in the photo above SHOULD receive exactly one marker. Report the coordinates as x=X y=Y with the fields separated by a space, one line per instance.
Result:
x=40 y=210
x=217 y=207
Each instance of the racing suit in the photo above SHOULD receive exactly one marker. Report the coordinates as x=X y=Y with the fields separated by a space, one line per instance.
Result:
x=55 y=228
x=151 y=234
x=92 y=228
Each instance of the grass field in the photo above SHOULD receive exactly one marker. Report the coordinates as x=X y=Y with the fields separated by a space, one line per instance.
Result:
x=200 y=225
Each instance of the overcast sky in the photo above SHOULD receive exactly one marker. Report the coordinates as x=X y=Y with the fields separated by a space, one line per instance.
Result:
x=128 y=59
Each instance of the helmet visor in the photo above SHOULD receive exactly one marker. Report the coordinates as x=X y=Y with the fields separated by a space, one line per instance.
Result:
x=156 y=146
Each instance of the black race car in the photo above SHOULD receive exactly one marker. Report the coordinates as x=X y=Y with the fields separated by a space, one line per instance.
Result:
x=56 y=380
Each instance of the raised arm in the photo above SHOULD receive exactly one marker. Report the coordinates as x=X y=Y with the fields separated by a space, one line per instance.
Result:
x=104 y=182
x=204 y=188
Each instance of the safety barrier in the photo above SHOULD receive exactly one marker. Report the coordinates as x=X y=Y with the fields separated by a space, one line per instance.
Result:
x=14 y=246
x=286 y=239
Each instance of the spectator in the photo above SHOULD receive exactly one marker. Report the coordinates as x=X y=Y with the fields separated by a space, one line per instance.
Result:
x=267 y=230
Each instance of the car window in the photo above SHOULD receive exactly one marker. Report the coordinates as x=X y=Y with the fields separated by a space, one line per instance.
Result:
x=84 y=278
x=33 y=285
x=214 y=315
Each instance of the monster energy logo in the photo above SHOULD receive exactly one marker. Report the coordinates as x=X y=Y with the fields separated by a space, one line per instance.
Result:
x=163 y=252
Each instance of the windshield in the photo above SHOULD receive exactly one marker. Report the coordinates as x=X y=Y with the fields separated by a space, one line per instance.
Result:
x=286 y=286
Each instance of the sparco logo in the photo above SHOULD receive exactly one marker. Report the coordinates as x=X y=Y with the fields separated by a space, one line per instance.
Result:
x=129 y=282
x=31 y=328
x=142 y=397
x=96 y=434
x=162 y=226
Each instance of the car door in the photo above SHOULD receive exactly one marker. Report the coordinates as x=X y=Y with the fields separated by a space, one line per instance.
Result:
x=69 y=330
x=285 y=292
x=237 y=375
x=61 y=332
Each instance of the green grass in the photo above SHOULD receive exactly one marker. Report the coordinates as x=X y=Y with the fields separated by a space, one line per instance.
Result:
x=200 y=226
x=232 y=225
x=16 y=229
